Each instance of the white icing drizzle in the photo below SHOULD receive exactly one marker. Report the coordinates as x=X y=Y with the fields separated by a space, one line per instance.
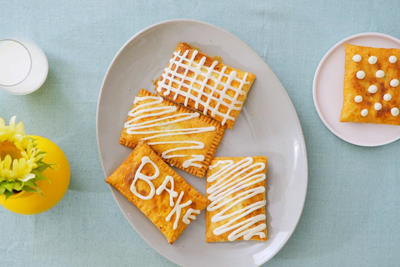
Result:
x=358 y=99
x=178 y=209
x=188 y=215
x=394 y=83
x=392 y=59
x=395 y=112
x=378 y=106
x=387 y=97
x=147 y=179
x=150 y=110
x=360 y=74
x=200 y=70
x=373 y=89
x=229 y=181
x=372 y=60
x=171 y=191
x=380 y=74
x=364 y=112
x=357 y=58
x=189 y=162
x=172 y=194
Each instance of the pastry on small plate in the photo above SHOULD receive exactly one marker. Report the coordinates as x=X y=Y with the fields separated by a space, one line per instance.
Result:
x=200 y=82
x=236 y=194
x=371 y=85
x=182 y=137
x=158 y=191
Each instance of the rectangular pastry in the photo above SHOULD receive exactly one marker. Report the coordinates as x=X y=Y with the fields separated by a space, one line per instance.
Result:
x=371 y=85
x=202 y=83
x=182 y=137
x=236 y=194
x=158 y=191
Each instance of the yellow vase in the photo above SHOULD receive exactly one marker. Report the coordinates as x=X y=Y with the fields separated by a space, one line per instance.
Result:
x=33 y=203
x=20 y=194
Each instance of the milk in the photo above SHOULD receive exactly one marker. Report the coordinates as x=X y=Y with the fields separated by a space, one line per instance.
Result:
x=23 y=66
x=15 y=63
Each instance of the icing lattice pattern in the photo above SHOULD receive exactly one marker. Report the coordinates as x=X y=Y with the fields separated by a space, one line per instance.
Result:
x=203 y=77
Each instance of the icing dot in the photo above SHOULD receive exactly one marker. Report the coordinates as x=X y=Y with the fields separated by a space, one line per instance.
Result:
x=372 y=60
x=392 y=59
x=364 y=112
x=358 y=99
x=380 y=74
x=378 y=106
x=394 y=83
x=395 y=111
x=373 y=89
x=357 y=58
x=360 y=74
x=387 y=97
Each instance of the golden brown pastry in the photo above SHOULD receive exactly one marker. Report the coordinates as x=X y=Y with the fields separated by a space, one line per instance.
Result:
x=371 y=85
x=159 y=192
x=200 y=82
x=236 y=194
x=183 y=138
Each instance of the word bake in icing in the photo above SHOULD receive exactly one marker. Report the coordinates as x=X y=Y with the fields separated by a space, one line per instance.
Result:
x=172 y=194
x=183 y=138
x=371 y=85
x=202 y=83
x=159 y=192
x=236 y=191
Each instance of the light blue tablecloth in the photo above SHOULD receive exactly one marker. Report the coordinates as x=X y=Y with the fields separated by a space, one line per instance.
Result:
x=352 y=212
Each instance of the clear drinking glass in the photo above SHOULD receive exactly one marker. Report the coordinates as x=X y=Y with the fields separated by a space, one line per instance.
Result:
x=23 y=66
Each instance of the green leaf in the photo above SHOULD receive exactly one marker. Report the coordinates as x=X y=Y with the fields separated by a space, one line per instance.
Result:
x=8 y=194
x=40 y=176
x=29 y=189
x=2 y=190
x=53 y=164
x=41 y=168
x=18 y=186
x=9 y=186
x=40 y=191
x=37 y=187
x=30 y=183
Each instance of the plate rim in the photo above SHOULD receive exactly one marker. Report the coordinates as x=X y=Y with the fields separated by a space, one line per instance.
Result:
x=286 y=95
x=315 y=80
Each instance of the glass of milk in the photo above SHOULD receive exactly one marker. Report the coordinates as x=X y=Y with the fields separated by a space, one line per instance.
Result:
x=23 y=66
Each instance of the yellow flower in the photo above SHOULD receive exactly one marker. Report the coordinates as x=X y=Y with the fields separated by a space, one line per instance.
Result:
x=18 y=155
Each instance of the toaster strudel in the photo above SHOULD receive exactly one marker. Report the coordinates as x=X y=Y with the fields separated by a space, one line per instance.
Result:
x=183 y=138
x=200 y=82
x=158 y=191
x=371 y=85
x=236 y=194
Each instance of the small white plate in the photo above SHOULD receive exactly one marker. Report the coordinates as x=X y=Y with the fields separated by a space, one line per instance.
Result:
x=268 y=126
x=328 y=94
